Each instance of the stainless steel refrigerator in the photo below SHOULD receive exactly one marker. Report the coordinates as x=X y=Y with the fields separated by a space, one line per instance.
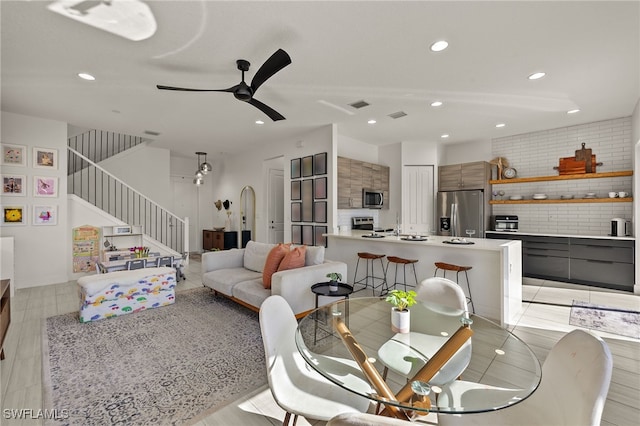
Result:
x=459 y=211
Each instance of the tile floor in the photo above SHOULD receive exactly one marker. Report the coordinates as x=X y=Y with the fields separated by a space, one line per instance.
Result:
x=540 y=325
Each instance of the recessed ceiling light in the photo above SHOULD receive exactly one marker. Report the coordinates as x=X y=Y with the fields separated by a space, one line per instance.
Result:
x=439 y=46
x=436 y=104
x=444 y=136
x=573 y=111
x=500 y=125
x=372 y=121
x=537 y=75
x=86 y=76
x=259 y=122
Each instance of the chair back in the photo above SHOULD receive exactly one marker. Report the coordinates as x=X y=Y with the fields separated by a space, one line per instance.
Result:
x=442 y=291
x=164 y=261
x=575 y=378
x=278 y=327
x=136 y=264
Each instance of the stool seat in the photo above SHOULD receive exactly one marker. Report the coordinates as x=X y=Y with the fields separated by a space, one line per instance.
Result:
x=450 y=267
x=457 y=269
x=396 y=259
x=365 y=255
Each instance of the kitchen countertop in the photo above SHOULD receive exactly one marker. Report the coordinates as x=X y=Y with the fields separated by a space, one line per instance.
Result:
x=541 y=234
x=478 y=243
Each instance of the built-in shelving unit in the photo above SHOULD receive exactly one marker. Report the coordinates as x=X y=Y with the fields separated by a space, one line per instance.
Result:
x=621 y=173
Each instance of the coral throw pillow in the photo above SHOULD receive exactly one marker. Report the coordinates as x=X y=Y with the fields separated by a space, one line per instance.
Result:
x=293 y=259
x=274 y=258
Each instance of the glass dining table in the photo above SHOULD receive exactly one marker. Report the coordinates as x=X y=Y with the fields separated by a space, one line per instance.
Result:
x=450 y=361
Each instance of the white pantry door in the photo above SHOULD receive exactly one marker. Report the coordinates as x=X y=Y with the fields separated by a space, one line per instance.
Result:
x=417 y=199
x=276 y=206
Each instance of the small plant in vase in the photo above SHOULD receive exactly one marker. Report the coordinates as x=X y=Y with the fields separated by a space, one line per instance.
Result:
x=334 y=277
x=401 y=301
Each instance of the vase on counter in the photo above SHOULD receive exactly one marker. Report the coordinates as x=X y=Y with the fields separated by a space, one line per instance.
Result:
x=400 y=320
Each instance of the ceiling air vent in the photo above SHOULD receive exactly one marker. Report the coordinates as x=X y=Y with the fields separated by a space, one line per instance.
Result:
x=398 y=114
x=151 y=133
x=359 y=104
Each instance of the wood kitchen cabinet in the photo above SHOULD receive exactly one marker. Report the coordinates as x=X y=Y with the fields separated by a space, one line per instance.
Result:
x=456 y=177
x=220 y=240
x=354 y=175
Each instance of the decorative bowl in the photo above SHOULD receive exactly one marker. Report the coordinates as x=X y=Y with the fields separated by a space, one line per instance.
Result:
x=219 y=228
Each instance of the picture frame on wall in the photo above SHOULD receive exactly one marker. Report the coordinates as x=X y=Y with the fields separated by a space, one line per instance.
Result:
x=14 y=185
x=320 y=188
x=307 y=200
x=296 y=168
x=296 y=212
x=14 y=215
x=45 y=186
x=320 y=164
x=45 y=215
x=307 y=166
x=320 y=211
x=296 y=234
x=307 y=235
x=296 y=193
x=13 y=155
x=320 y=239
x=45 y=158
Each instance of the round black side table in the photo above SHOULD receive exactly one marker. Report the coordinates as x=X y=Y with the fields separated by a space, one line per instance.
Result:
x=322 y=289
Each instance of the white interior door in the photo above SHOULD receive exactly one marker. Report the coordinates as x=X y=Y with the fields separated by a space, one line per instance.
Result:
x=185 y=204
x=276 y=206
x=417 y=199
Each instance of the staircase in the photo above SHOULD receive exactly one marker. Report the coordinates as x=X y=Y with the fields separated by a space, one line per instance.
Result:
x=87 y=180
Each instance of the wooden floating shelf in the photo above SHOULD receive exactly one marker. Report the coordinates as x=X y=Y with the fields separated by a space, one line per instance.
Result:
x=563 y=177
x=560 y=201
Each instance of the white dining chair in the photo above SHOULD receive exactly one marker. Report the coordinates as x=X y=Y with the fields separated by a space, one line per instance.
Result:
x=405 y=354
x=575 y=381
x=367 y=419
x=296 y=387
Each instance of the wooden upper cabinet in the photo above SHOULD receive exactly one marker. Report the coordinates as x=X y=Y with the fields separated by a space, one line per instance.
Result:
x=354 y=175
x=456 y=177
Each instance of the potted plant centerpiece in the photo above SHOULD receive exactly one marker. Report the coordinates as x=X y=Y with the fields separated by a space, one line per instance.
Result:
x=334 y=277
x=401 y=301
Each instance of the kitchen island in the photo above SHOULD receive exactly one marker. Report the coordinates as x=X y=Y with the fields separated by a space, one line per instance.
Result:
x=496 y=277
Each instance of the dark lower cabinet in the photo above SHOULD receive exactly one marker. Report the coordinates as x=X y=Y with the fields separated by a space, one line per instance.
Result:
x=599 y=262
x=219 y=240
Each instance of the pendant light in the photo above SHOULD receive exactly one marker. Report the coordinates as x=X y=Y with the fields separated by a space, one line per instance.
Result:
x=199 y=178
x=204 y=167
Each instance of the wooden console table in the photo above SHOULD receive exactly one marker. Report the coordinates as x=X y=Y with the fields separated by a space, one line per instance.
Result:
x=5 y=312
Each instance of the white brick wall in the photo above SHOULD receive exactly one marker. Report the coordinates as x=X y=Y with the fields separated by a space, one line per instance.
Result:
x=535 y=154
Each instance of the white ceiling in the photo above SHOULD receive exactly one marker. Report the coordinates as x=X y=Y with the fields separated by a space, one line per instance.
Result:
x=341 y=52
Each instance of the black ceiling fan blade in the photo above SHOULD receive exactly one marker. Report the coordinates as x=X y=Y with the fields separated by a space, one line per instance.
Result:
x=272 y=113
x=275 y=63
x=185 y=89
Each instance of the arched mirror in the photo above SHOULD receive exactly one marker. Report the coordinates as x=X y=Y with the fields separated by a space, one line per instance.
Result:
x=247 y=214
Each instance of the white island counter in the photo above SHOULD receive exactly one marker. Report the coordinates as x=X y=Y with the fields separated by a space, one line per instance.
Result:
x=496 y=277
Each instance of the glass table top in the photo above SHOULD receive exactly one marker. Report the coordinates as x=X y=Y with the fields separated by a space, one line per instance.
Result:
x=490 y=370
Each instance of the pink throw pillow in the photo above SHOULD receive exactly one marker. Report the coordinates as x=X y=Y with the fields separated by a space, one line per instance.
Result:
x=272 y=263
x=293 y=259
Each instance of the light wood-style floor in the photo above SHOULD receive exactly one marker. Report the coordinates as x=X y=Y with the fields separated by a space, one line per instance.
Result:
x=541 y=325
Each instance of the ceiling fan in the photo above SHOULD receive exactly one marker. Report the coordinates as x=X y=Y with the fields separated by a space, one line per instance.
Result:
x=244 y=92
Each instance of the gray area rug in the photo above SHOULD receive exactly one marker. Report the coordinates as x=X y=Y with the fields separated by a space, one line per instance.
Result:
x=168 y=366
x=605 y=318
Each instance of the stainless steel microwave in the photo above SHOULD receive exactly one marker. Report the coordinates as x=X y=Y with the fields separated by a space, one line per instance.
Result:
x=372 y=199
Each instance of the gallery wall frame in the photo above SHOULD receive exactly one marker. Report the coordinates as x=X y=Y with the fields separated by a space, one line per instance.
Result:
x=45 y=215
x=320 y=239
x=14 y=185
x=320 y=211
x=296 y=212
x=320 y=164
x=307 y=200
x=296 y=234
x=307 y=166
x=296 y=168
x=45 y=186
x=320 y=188
x=307 y=235
x=45 y=158
x=14 y=214
x=295 y=190
x=13 y=155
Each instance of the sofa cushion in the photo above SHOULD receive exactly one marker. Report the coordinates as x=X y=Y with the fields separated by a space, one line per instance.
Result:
x=294 y=259
x=251 y=292
x=314 y=255
x=223 y=280
x=273 y=261
x=255 y=255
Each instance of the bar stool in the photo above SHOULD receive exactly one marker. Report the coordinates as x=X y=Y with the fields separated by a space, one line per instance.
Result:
x=370 y=259
x=457 y=269
x=404 y=262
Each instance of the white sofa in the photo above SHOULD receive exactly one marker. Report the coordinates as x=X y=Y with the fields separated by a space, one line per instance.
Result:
x=237 y=274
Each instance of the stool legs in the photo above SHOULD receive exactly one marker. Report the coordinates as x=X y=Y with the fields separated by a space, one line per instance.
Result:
x=369 y=275
x=404 y=275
